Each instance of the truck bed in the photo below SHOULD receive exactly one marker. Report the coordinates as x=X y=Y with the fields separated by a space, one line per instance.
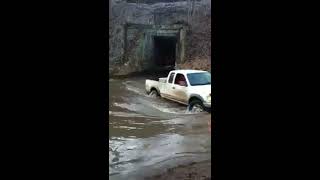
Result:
x=155 y=84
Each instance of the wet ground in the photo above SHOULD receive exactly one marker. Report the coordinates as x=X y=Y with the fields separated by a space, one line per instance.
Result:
x=152 y=137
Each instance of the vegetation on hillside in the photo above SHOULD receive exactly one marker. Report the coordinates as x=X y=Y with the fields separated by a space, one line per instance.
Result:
x=198 y=41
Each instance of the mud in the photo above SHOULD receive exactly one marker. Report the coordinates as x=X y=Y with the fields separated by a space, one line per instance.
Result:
x=199 y=171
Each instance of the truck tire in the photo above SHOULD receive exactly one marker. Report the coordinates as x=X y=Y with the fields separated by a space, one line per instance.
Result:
x=154 y=93
x=196 y=106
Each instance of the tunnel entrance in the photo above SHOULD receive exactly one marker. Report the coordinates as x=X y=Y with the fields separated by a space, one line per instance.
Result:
x=153 y=48
x=165 y=51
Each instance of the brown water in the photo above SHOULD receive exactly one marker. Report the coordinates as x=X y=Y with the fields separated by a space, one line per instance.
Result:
x=148 y=135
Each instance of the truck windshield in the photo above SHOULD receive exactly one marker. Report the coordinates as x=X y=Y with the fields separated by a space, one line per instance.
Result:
x=197 y=79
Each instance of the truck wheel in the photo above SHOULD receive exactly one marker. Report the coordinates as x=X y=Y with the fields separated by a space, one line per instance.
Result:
x=154 y=93
x=196 y=106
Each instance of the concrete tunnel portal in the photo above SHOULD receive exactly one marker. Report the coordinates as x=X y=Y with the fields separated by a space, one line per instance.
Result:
x=153 y=47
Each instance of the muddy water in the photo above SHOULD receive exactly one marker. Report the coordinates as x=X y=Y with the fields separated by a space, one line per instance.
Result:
x=148 y=135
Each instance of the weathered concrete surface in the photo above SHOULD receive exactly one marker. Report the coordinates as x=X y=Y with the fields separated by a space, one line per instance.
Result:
x=131 y=49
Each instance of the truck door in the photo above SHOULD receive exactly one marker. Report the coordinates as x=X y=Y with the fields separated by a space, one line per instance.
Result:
x=167 y=88
x=179 y=89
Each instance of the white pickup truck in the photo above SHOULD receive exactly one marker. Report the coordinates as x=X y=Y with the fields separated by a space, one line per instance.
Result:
x=188 y=87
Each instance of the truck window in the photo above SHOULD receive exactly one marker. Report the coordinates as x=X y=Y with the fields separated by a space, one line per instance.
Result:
x=196 y=79
x=171 y=77
x=180 y=80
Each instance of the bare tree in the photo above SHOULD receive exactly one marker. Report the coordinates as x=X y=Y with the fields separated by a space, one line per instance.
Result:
x=188 y=11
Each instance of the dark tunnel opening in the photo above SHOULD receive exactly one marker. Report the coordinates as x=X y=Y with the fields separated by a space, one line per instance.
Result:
x=165 y=51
